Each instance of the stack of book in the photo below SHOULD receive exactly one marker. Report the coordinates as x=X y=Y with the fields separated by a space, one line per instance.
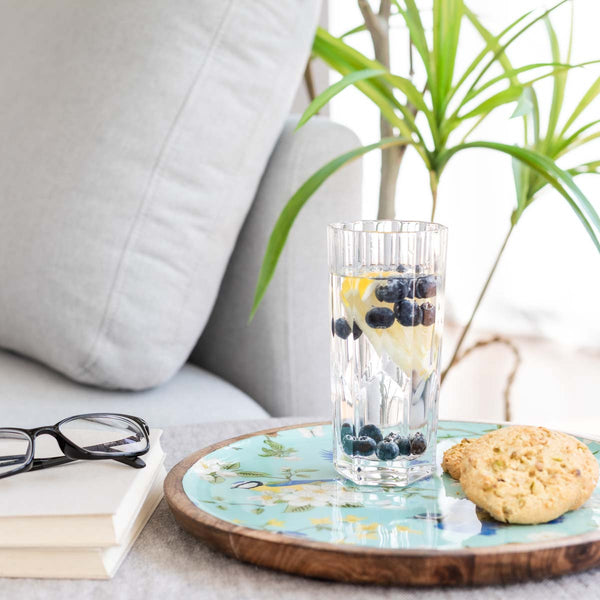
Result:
x=76 y=521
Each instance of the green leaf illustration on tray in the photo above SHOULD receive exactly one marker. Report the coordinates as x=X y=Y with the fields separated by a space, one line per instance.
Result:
x=250 y=484
x=274 y=449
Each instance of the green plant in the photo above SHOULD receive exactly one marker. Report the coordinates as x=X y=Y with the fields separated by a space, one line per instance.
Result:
x=439 y=121
x=554 y=139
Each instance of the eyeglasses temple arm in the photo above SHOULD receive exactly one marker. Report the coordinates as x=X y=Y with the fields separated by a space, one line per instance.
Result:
x=133 y=461
x=45 y=463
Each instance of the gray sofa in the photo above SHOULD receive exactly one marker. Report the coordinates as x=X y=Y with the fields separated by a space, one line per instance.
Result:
x=277 y=365
x=147 y=152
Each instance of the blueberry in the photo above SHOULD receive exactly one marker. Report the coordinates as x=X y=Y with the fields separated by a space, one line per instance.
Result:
x=386 y=450
x=418 y=269
x=403 y=444
x=356 y=331
x=418 y=445
x=410 y=287
x=371 y=431
x=400 y=441
x=393 y=291
x=364 y=446
x=426 y=286
x=342 y=329
x=427 y=314
x=349 y=444
x=401 y=268
x=380 y=318
x=347 y=429
x=408 y=313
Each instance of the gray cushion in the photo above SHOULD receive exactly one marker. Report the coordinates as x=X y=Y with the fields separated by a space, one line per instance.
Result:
x=32 y=395
x=282 y=358
x=134 y=135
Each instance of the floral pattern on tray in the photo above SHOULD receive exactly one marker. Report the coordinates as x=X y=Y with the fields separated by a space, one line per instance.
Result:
x=285 y=483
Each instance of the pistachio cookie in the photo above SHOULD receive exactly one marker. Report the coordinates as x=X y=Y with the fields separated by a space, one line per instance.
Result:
x=453 y=458
x=524 y=474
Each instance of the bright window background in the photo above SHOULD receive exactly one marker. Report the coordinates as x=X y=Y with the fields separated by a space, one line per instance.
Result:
x=548 y=282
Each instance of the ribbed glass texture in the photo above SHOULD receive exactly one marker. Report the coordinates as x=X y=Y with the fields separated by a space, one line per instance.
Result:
x=387 y=310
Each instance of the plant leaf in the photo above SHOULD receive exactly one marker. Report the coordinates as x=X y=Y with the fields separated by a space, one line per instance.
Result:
x=502 y=48
x=324 y=97
x=511 y=73
x=294 y=205
x=412 y=18
x=521 y=178
x=558 y=89
x=592 y=168
x=345 y=60
x=525 y=105
x=354 y=30
x=492 y=43
x=382 y=98
x=562 y=145
x=295 y=509
x=557 y=177
x=510 y=94
x=584 y=140
x=588 y=97
x=447 y=19
x=535 y=118
x=338 y=50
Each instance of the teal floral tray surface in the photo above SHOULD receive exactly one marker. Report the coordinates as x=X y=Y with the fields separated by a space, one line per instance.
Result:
x=285 y=483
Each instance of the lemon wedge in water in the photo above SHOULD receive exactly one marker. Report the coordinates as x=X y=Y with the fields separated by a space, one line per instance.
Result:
x=413 y=349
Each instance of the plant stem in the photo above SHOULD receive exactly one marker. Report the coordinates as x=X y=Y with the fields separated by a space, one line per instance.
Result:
x=497 y=339
x=377 y=23
x=309 y=81
x=390 y=168
x=465 y=331
x=433 y=183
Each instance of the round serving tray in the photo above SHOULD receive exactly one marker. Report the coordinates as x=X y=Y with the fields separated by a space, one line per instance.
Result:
x=272 y=498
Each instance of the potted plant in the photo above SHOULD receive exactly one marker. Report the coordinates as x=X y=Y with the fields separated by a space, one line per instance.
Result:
x=441 y=119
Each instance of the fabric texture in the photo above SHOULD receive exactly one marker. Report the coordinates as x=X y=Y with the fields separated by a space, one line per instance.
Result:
x=167 y=562
x=134 y=136
x=32 y=395
x=282 y=358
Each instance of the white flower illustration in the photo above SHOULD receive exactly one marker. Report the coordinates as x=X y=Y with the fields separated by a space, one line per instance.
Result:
x=210 y=470
x=311 y=432
x=304 y=498
x=343 y=496
x=268 y=498
x=309 y=494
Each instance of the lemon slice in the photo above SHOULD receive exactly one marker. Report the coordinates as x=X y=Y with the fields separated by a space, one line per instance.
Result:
x=409 y=347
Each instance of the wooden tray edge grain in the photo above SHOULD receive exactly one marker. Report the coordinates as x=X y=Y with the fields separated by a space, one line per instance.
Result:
x=356 y=564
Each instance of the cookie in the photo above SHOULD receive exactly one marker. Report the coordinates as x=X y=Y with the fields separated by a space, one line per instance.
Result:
x=453 y=458
x=528 y=475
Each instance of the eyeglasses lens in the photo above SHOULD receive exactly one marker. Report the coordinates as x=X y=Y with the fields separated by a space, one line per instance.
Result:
x=105 y=435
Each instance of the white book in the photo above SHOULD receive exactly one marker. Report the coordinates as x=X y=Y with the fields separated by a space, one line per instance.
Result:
x=81 y=504
x=80 y=563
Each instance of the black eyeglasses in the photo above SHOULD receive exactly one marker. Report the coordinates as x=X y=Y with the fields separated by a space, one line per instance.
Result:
x=95 y=436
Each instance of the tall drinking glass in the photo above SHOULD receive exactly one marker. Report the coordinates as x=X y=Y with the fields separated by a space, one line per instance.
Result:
x=387 y=311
